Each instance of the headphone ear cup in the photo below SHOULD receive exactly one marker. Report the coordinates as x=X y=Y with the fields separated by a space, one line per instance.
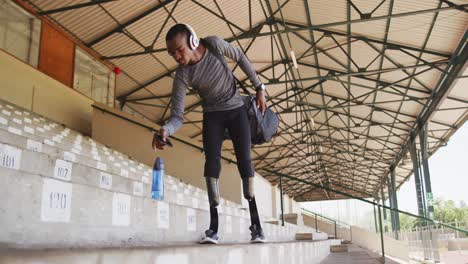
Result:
x=195 y=42
x=190 y=42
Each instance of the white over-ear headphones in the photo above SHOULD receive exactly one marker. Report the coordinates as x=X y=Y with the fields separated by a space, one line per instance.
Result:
x=193 y=39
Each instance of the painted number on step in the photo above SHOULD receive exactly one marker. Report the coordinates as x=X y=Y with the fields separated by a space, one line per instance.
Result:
x=121 y=209
x=105 y=180
x=34 y=145
x=191 y=220
x=10 y=157
x=163 y=215
x=56 y=201
x=137 y=188
x=63 y=169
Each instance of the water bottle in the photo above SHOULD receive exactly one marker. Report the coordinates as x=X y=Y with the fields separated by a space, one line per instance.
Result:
x=157 y=190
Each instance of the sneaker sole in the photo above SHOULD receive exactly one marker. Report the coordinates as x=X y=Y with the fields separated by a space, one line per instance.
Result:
x=208 y=240
x=257 y=241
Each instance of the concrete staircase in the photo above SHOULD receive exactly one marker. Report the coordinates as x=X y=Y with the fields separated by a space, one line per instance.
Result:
x=60 y=189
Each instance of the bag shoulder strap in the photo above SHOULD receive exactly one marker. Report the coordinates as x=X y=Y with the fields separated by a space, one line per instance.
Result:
x=220 y=57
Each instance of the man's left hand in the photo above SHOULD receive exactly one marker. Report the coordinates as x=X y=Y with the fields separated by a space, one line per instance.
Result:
x=261 y=101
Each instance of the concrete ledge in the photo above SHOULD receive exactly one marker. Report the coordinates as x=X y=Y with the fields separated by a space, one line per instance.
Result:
x=271 y=253
x=339 y=248
x=311 y=236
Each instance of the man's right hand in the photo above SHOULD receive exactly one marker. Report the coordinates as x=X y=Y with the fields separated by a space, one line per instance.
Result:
x=157 y=143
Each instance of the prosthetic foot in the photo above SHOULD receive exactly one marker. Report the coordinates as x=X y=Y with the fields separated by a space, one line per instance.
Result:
x=256 y=230
x=212 y=187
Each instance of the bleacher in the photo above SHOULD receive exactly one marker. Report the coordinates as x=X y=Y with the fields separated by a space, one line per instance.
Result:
x=61 y=189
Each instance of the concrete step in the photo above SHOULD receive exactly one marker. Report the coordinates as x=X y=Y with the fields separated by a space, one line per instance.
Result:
x=339 y=248
x=62 y=151
x=271 y=253
x=311 y=236
x=45 y=212
x=65 y=152
x=294 y=218
x=74 y=141
x=49 y=166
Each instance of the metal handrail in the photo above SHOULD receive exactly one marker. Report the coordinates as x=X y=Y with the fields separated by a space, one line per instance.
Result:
x=343 y=224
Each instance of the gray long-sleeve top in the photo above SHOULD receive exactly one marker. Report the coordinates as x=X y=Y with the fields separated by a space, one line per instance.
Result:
x=212 y=80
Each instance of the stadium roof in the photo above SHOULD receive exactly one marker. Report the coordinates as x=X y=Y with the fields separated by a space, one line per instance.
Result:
x=370 y=75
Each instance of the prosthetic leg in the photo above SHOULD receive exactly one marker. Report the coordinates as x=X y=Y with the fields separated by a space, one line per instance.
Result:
x=212 y=187
x=255 y=227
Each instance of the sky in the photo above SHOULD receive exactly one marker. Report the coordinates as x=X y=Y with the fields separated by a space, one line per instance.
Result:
x=448 y=168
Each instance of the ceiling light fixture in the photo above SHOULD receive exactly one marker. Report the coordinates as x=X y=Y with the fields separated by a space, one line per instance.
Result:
x=293 y=57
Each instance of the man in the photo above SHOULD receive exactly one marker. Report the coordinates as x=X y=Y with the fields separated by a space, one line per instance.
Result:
x=223 y=108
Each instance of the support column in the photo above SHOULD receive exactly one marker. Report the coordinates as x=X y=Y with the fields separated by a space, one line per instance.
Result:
x=427 y=176
x=390 y=201
x=395 y=202
x=281 y=199
x=417 y=179
x=375 y=220
x=381 y=237
x=384 y=210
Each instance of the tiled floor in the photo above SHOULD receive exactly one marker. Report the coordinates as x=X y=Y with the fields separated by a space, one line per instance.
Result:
x=355 y=255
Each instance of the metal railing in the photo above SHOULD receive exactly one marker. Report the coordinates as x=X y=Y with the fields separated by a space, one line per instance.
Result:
x=429 y=242
x=335 y=223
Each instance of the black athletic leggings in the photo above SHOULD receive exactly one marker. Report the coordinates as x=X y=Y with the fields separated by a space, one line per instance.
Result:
x=214 y=125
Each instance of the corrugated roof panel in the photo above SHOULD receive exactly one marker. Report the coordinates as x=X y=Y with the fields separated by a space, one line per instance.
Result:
x=122 y=12
x=459 y=90
x=117 y=44
x=447 y=32
x=147 y=28
x=45 y=5
x=124 y=84
x=87 y=23
x=142 y=68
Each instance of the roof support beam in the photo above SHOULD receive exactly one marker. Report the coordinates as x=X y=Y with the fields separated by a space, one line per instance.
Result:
x=355 y=21
x=389 y=44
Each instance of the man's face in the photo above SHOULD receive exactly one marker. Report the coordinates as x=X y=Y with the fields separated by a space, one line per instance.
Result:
x=179 y=50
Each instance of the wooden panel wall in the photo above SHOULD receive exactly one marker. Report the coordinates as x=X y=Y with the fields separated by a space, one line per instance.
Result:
x=56 y=56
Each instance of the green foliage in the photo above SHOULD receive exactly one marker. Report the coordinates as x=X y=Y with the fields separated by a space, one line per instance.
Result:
x=448 y=212
x=407 y=222
x=444 y=211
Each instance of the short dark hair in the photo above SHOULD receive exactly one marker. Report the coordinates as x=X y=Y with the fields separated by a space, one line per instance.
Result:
x=177 y=29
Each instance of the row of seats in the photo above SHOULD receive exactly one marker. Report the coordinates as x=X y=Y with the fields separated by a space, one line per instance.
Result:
x=60 y=188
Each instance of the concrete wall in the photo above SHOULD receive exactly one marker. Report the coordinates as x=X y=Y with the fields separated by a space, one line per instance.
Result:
x=33 y=90
x=289 y=205
x=458 y=244
x=371 y=240
x=181 y=161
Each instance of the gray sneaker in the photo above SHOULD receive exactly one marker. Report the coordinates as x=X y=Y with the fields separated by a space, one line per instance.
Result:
x=257 y=234
x=211 y=237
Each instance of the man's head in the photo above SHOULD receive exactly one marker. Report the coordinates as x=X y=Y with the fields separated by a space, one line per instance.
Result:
x=179 y=44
